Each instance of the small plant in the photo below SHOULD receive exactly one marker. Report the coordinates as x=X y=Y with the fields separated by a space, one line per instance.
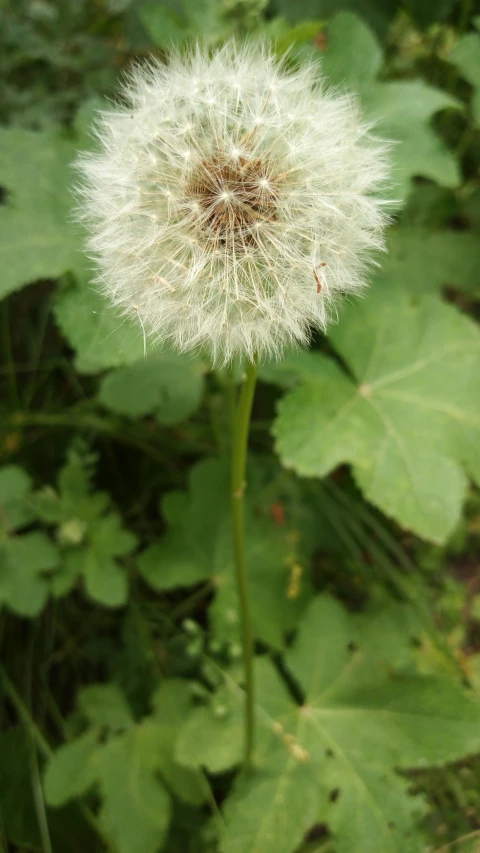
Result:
x=230 y=204
x=189 y=664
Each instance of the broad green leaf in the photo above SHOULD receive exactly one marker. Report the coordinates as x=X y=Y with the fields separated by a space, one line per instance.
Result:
x=402 y=111
x=198 y=548
x=131 y=764
x=172 y=702
x=333 y=758
x=466 y=57
x=24 y=560
x=100 y=336
x=18 y=811
x=295 y=367
x=422 y=259
x=169 y=386
x=430 y=207
x=286 y=38
x=84 y=120
x=406 y=416
x=212 y=735
x=167 y=27
x=36 y=237
x=359 y=66
x=136 y=807
x=105 y=705
x=273 y=812
x=15 y=487
x=71 y=771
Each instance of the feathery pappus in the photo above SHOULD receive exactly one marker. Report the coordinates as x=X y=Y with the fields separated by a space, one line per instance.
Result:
x=231 y=200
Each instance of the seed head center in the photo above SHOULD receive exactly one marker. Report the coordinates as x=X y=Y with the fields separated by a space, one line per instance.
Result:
x=232 y=197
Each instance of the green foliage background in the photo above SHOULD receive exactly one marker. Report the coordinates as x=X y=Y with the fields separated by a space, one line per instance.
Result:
x=120 y=677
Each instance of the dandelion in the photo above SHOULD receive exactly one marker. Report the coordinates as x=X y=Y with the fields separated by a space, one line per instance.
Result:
x=231 y=201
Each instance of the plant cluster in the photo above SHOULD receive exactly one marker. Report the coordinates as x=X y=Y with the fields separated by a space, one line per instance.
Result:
x=122 y=681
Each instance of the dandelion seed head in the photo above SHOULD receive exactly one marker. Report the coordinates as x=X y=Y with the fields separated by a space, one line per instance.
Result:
x=231 y=201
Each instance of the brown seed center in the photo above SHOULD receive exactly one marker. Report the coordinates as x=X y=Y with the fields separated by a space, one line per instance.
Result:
x=234 y=198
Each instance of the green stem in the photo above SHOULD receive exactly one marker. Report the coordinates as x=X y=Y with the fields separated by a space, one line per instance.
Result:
x=39 y=802
x=11 y=377
x=231 y=404
x=239 y=462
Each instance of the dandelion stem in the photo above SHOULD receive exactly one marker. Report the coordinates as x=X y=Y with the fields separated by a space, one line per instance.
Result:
x=239 y=461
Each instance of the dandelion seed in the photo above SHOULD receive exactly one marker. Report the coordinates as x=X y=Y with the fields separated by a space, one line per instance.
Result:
x=279 y=184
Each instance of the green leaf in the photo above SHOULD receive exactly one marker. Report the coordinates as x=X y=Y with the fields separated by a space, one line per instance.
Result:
x=378 y=13
x=466 y=57
x=23 y=563
x=212 y=735
x=36 y=239
x=105 y=579
x=422 y=259
x=169 y=386
x=198 y=548
x=172 y=702
x=402 y=111
x=285 y=37
x=333 y=758
x=100 y=336
x=406 y=416
x=18 y=808
x=129 y=763
x=358 y=66
x=15 y=487
x=136 y=807
x=92 y=540
x=272 y=814
x=74 y=500
x=71 y=771
x=105 y=705
x=166 y=27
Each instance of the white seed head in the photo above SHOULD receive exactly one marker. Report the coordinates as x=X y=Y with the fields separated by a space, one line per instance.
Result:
x=232 y=200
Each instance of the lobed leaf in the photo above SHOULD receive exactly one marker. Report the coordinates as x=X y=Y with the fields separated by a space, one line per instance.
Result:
x=332 y=759
x=24 y=562
x=15 y=488
x=198 y=548
x=100 y=336
x=402 y=111
x=36 y=238
x=168 y=386
x=406 y=416
x=466 y=57
x=131 y=764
